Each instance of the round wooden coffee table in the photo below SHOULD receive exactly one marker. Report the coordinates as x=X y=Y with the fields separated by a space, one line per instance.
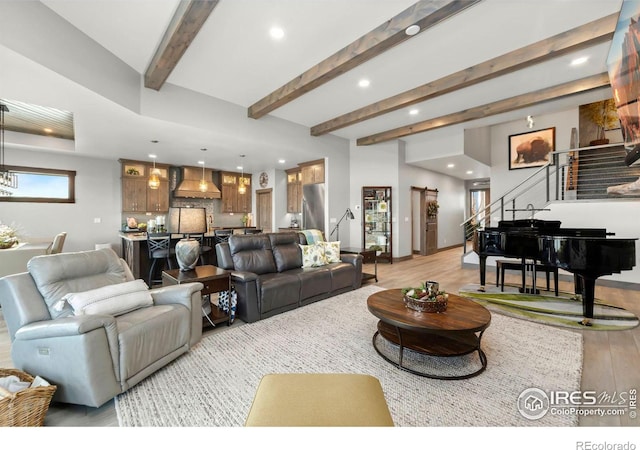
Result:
x=454 y=332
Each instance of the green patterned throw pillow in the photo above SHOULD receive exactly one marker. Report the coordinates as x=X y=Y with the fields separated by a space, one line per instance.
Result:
x=332 y=252
x=313 y=255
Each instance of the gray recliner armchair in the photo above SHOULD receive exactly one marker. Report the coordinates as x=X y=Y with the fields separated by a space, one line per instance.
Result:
x=94 y=356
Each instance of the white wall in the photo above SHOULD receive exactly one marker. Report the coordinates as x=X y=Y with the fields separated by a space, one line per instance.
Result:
x=373 y=165
x=383 y=165
x=503 y=179
x=451 y=197
x=98 y=195
x=447 y=141
x=477 y=144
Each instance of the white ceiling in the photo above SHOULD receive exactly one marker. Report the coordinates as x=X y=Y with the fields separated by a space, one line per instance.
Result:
x=234 y=59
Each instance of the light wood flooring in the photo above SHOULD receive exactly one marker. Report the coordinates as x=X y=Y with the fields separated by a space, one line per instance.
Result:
x=611 y=359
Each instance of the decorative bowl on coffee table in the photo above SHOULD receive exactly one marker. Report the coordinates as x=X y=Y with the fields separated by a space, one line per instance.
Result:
x=425 y=299
x=427 y=304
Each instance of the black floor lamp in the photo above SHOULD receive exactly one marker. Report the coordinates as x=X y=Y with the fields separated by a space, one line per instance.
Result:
x=347 y=214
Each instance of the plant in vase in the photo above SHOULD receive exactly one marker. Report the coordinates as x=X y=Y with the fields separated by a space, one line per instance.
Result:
x=376 y=248
x=604 y=116
x=8 y=236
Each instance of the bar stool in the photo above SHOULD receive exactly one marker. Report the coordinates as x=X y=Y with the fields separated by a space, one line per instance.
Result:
x=222 y=235
x=159 y=247
x=204 y=249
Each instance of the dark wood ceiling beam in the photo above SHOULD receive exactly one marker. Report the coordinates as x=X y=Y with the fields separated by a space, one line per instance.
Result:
x=490 y=109
x=189 y=17
x=584 y=36
x=425 y=13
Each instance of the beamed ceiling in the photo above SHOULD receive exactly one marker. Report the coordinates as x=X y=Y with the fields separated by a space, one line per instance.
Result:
x=472 y=64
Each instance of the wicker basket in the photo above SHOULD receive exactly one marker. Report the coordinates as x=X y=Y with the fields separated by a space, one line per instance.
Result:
x=427 y=304
x=25 y=408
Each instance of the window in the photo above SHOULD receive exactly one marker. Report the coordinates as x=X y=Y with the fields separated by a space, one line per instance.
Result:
x=40 y=186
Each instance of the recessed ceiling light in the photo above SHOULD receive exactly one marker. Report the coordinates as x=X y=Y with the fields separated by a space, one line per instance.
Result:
x=364 y=83
x=414 y=111
x=578 y=61
x=154 y=141
x=281 y=161
x=201 y=162
x=152 y=156
x=469 y=172
x=276 y=33
x=450 y=165
x=48 y=130
x=239 y=167
x=412 y=30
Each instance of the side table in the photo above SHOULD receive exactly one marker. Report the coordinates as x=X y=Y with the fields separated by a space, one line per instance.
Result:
x=214 y=280
x=368 y=256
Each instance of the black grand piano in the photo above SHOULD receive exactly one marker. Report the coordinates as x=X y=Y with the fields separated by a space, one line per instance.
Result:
x=586 y=252
x=588 y=258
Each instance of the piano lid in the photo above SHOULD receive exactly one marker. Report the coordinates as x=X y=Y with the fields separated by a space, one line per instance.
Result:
x=529 y=223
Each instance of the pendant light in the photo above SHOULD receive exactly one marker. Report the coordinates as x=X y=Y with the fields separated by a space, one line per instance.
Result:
x=242 y=189
x=154 y=177
x=7 y=178
x=203 y=185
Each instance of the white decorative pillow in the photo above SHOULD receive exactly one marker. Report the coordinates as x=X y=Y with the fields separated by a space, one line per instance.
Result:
x=114 y=300
x=332 y=252
x=313 y=255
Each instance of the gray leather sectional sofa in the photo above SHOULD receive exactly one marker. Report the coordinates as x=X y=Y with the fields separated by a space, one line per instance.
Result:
x=269 y=278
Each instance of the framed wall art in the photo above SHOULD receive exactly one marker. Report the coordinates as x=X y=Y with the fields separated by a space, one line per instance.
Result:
x=531 y=149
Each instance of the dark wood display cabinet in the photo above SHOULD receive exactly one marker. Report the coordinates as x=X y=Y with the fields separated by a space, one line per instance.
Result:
x=377 y=232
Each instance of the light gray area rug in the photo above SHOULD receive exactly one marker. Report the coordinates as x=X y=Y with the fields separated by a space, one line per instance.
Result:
x=214 y=384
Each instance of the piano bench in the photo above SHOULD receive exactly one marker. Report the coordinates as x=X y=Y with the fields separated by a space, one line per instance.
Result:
x=504 y=264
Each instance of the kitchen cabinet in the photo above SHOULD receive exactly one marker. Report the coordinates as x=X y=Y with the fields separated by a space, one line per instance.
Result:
x=137 y=196
x=134 y=195
x=158 y=199
x=294 y=190
x=312 y=172
x=229 y=198
x=377 y=233
x=232 y=200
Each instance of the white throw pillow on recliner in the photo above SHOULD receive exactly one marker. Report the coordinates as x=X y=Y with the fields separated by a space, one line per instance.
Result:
x=114 y=300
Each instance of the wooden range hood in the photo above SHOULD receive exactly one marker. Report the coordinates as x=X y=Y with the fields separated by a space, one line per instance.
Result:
x=189 y=186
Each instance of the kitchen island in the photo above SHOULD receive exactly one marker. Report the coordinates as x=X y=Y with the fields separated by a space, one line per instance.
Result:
x=135 y=251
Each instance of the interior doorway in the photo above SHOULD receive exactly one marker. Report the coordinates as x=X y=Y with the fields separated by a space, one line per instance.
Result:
x=424 y=222
x=417 y=237
x=479 y=201
x=264 y=210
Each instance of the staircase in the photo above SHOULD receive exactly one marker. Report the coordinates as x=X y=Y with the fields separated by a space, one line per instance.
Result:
x=599 y=168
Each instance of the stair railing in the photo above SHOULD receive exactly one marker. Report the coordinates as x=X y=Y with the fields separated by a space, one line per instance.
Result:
x=587 y=173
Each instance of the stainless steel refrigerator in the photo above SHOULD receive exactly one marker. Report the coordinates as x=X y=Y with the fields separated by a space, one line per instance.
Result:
x=313 y=206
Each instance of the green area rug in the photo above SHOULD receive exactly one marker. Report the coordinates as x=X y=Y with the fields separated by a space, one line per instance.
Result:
x=562 y=311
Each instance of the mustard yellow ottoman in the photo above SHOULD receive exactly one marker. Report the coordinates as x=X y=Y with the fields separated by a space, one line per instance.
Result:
x=319 y=400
